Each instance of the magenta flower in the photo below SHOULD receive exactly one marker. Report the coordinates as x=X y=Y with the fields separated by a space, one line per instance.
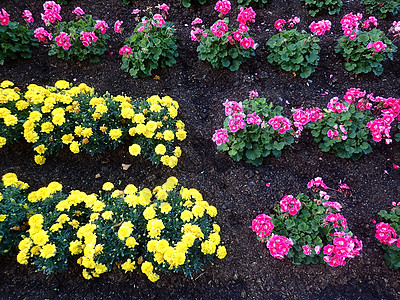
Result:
x=320 y=27
x=163 y=7
x=102 y=25
x=87 y=38
x=290 y=204
x=158 y=20
x=247 y=43
x=4 y=17
x=306 y=250
x=220 y=136
x=279 y=246
x=117 y=26
x=279 y=23
x=223 y=6
x=219 y=28
x=125 y=50
x=197 y=21
x=135 y=11
x=246 y=15
x=262 y=226
x=63 y=40
x=41 y=34
x=51 y=12
x=78 y=11
x=27 y=15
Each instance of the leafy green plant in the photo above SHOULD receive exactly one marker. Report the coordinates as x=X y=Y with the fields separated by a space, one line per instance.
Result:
x=13 y=211
x=316 y=6
x=81 y=39
x=382 y=8
x=262 y=132
x=151 y=46
x=388 y=235
x=188 y=3
x=308 y=230
x=246 y=3
x=223 y=45
x=16 y=41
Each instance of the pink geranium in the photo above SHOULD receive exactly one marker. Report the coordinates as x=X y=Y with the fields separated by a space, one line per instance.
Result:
x=290 y=204
x=316 y=182
x=232 y=107
x=63 y=40
x=4 y=17
x=197 y=34
x=158 y=20
x=253 y=119
x=125 y=51
x=280 y=123
x=219 y=28
x=320 y=27
x=385 y=233
x=246 y=15
x=279 y=24
x=78 y=11
x=306 y=249
x=220 y=136
x=42 y=35
x=197 y=21
x=27 y=15
x=117 y=26
x=101 y=25
x=87 y=38
x=135 y=11
x=163 y=7
x=223 y=6
x=262 y=226
x=279 y=246
x=247 y=43
x=51 y=12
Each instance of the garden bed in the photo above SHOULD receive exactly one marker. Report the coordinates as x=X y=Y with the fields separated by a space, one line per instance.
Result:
x=238 y=190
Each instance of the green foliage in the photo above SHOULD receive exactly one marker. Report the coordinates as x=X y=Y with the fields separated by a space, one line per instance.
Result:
x=295 y=52
x=317 y=6
x=381 y=9
x=221 y=52
x=77 y=50
x=392 y=252
x=254 y=142
x=358 y=58
x=188 y=3
x=358 y=139
x=246 y=3
x=16 y=41
x=397 y=136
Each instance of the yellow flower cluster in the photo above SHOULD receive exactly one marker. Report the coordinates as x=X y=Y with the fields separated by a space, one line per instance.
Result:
x=47 y=112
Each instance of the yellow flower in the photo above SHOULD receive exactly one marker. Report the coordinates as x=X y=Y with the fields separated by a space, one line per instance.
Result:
x=186 y=215
x=115 y=134
x=35 y=220
x=173 y=161
x=132 y=131
x=34 y=116
x=130 y=189
x=21 y=104
x=39 y=159
x=165 y=207
x=3 y=141
x=78 y=130
x=151 y=126
x=55 y=227
x=221 y=252
x=2 y=218
x=86 y=274
x=162 y=246
x=162 y=195
x=87 y=132
x=160 y=149
x=149 y=213
x=100 y=269
x=93 y=217
x=125 y=230
x=130 y=242
x=181 y=247
x=47 y=127
x=40 y=149
x=98 y=206
x=108 y=186
x=153 y=99
x=152 y=245
x=198 y=211
x=10 y=120
x=208 y=247
x=25 y=244
x=147 y=267
x=6 y=83
x=134 y=150
x=153 y=277
x=211 y=211
x=48 y=250
x=128 y=266
x=215 y=238
x=155 y=108
x=58 y=120
x=40 y=238
x=127 y=113
x=159 y=257
x=62 y=84
x=74 y=147
x=165 y=160
x=139 y=118
x=178 y=151
x=181 y=134
x=31 y=136
x=173 y=112
x=67 y=138
x=168 y=135
x=22 y=258
x=140 y=128
x=216 y=228
x=154 y=227
x=180 y=125
x=107 y=215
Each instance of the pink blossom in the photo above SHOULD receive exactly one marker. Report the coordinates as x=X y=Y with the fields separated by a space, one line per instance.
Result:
x=334 y=219
x=78 y=11
x=41 y=34
x=243 y=28
x=335 y=205
x=102 y=25
x=135 y=11
x=371 y=21
x=385 y=233
x=163 y=7
x=125 y=50
x=51 y=12
x=279 y=23
x=63 y=40
x=232 y=107
x=253 y=119
x=246 y=15
x=317 y=249
x=27 y=15
x=219 y=28
x=320 y=27
x=350 y=24
x=290 y=204
x=4 y=17
x=247 y=43
x=336 y=106
x=316 y=182
x=197 y=21
x=279 y=246
x=306 y=250
x=117 y=26
x=223 y=6
x=262 y=226
x=395 y=166
x=253 y=94
x=87 y=38
x=237 y=35
x=280 y=123
x=197 y=34
x=378 y=46
x=158 y=20
x=237 y=122
x=220 y=136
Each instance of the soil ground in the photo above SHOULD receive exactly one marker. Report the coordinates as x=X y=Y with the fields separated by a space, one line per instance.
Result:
x=238 y=190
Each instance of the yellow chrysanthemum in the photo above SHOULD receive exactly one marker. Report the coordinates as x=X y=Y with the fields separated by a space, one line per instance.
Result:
x=181 y=134
x=67 y=138
x=208 y=247
x=147 y=267
x=107 y=215
x=165 y=207
x=48 y=250
x=149 y=213
x=108 y=186
x=39 y=159
x=186 y=215
x=47 y=127
x=131 y=242
x=62 y=84
x=221 y=252
x=134 y=150
x=128 y=266
x=74 y=147
x=115 y=134
x=160 y=149
x=168 y=135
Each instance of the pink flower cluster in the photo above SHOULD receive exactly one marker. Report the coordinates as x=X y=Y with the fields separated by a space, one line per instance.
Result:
x=316 y=182
x=219 y=28
x=262 y=226
x=335 y=205
x=246 y=15
x=197 y=33
x=232 y=107
x=395 y=29
x=158 y=20
x=247 y=43
x=344 y=246
x=220 y=136
x=253 y=94
x=290 y=204
x=125 y=50
x=350 y=24
x=27 y=15
x=320 y=27
x=334 y=219
x=101 y=25
x=51 y=12
x=117 y=26
x=63 y=40
x=237 y=122
x=386 y=234
x=4 y=17
x=302 y=117
x=336 y=106
x=370 y=23
x=353 y=94
x=333 y=134
x=279 y=246
x=87 y=38
x=280 y=123
x=281 y=22
x=42 y=35
x=163 y=7
x=253 y=119
x=378 y=46
x=223 y=6
x=78 y=11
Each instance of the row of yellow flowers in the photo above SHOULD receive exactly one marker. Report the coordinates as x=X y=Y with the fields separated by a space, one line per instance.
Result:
x=169 y=228
x=63 y=115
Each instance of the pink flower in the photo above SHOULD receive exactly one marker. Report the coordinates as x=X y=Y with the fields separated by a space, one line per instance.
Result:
x=87 y=38
x=247 y=43
x=219 y=28
x=253 y=94
x=101 y=25
x=280 y=123
x=316 y=182
x=320 y=27
x=135 y=11
x=385 y=233
x=159 y=20
x=125 y=50
x=78 y=11
x=279 y=246
x=253 y=119
x=232 y=107
x=317 y=249
x=117 y=26
x=334 y=219
x=4 y=17
x=262 y=226
x=63 y=40
x=197 y=21
x=335 y=205
x=279 y=23
x=220 y=136
x=237 y=122
x=306 y=250
x=290 y=204
x=51 y=12
x=197 y=34
x=41 y=34
x=372 y=21
x=163 y=7
x=246 y=15
x=223 y=6
x=27 y=15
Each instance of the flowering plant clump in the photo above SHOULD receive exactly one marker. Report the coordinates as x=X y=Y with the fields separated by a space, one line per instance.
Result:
x=308 y=230
x=388 y=233
x=16 y=39
x=363 y=46
x=223 y=45
x=81 y=39
x=13 y=211
x=382 y=8
x=151 y=46
x=293 y=51
x=349 y=129
x=316 y=6
x=75 y=117
x=253 y=129
x=245 y=3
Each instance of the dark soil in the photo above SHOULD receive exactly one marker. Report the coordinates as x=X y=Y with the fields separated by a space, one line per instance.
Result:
x=238 y=190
